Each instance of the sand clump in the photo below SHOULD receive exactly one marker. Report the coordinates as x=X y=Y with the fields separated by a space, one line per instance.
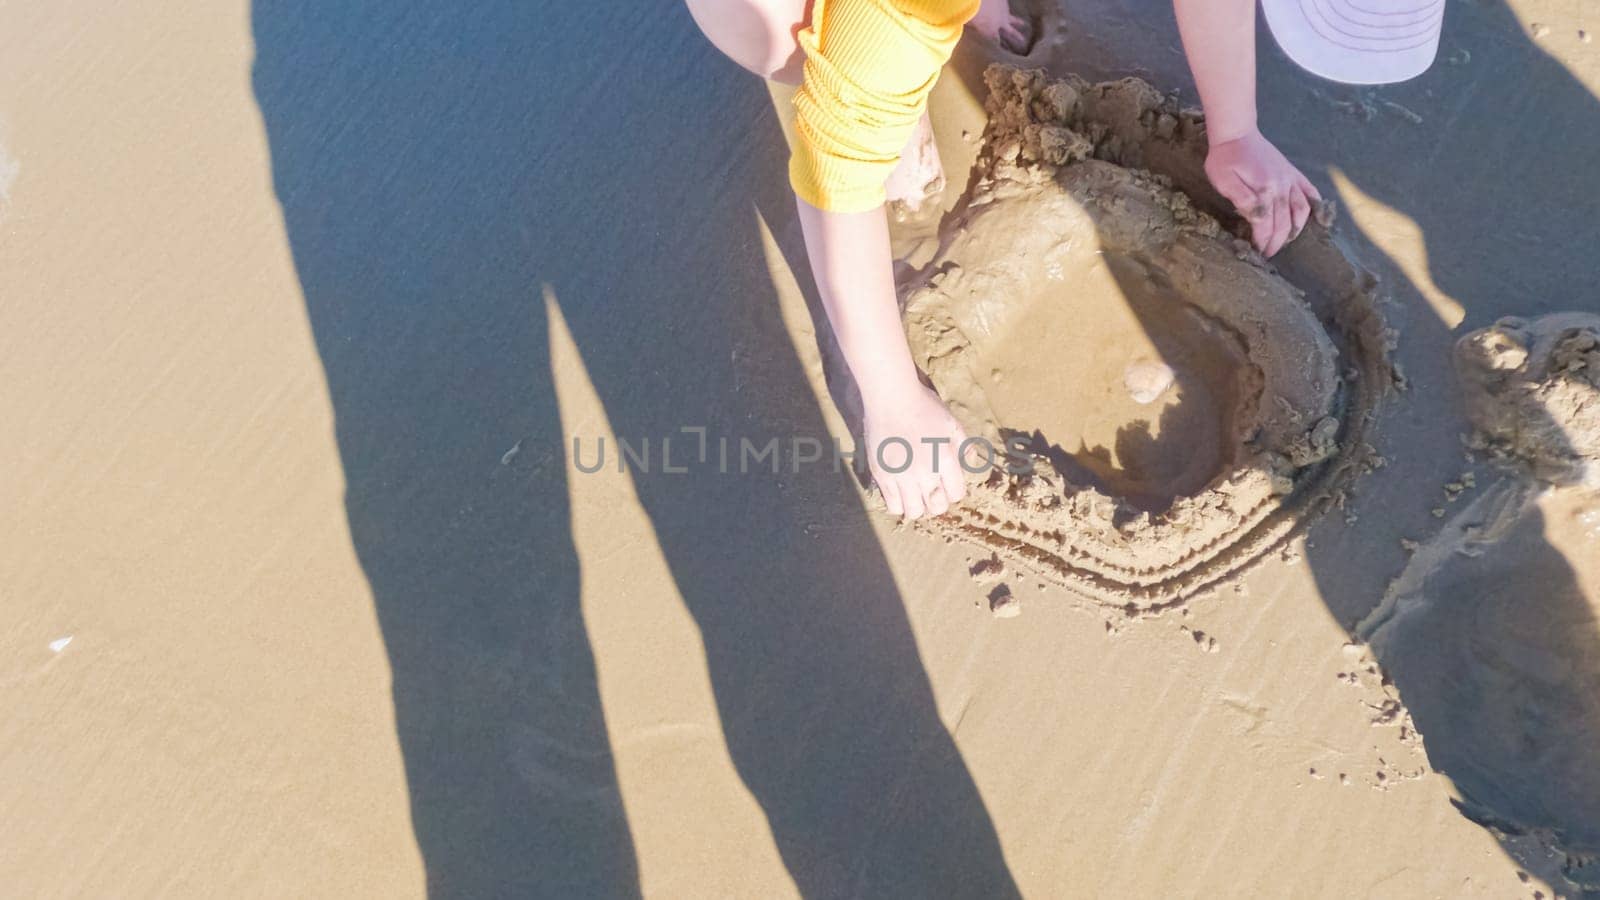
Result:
x=1183 y=404
x=1533 y=393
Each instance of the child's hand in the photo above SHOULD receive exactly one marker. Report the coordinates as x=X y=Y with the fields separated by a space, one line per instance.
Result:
x=914 y=418
x=995 y=21
x=1266 y=188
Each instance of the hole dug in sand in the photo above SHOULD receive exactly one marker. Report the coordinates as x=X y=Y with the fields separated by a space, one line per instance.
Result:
x=1184 y=406
x=1105 y=368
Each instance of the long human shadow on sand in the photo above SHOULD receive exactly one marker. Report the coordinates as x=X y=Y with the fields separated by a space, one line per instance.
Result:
x=1492 y=155
x=443 y=169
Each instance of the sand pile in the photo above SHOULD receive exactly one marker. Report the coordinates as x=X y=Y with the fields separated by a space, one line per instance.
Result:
x=1184 y=405
x=1533 y=391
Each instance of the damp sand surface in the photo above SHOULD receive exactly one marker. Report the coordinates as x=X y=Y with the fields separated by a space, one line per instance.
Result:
x=222 y=471
x=1132 y=384
x=1493 y=636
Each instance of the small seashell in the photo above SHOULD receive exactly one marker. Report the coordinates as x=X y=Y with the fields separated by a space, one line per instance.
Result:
x=1147 y=380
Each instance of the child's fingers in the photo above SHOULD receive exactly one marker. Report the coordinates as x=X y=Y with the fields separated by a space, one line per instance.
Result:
x=975 y=455
x=1309 y=189
x=950 y=471
x=934 y=498
x=1252 y=204
x=1260 y=219
x=891 y=496
x=1279 y=234
x=1299 y=209
x=955 y=487
x=1014 y=37
x=911 y=499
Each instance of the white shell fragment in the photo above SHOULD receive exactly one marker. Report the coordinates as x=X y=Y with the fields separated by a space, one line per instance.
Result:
x=1147 y=380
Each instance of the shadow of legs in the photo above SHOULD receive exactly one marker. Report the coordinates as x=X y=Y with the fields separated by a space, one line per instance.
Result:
x=440 y=166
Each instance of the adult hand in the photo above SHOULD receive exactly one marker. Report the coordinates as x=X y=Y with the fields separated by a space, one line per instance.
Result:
x=1266 y=188
x=911 y=446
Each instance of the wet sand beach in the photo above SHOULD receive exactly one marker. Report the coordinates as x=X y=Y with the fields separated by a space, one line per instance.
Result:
x=313 y=316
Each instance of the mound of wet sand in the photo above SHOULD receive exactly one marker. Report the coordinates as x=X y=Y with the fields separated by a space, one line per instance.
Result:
x=1533 y=392
x=1186 y=405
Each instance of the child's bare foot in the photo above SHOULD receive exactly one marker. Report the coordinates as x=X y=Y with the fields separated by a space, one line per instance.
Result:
x=996 y=22
x=919 y=177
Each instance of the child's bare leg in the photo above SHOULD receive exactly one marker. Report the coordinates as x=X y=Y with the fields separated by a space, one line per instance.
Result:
x=919 y=177
x=757 y=34
x=760 y=35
